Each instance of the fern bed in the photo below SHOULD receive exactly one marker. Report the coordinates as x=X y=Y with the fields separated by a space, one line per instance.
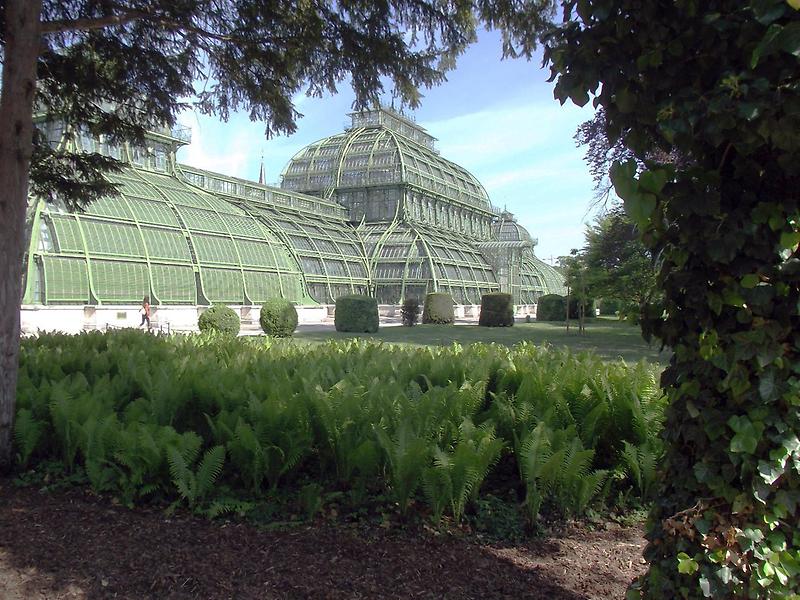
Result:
x=221 y=425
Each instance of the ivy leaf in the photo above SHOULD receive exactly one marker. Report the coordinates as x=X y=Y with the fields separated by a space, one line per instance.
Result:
x=686 y=564
x=725 y=574
x=766 y=387
x=750 y=281
x=705 y=586
x=747 y=435
x=767 y=11
x=789 y=240
x=653 y=181
x=623 y=176
x=789 y=39
x=767 y=45
x=639 y=208
x=625 y=101
x=770 y=473
x=795 y=4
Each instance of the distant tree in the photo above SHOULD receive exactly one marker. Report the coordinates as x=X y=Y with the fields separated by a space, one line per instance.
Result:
x=119 y=67
x=618 y=265
x=576 y=280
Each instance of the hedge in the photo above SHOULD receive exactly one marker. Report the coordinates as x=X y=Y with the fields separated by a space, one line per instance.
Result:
x=409 y=312
x=438 y=309
x=497 y=310
x=356 y=313
x=551 y=307
x=278 y=317
x=219 y=318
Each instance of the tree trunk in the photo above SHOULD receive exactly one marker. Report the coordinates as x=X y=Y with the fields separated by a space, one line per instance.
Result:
x=23 y=38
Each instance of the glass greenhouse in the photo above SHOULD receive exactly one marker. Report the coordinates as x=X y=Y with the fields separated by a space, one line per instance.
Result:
x=373 y=210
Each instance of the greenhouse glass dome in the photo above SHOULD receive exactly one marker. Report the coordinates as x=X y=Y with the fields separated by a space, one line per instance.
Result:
x=374 y=210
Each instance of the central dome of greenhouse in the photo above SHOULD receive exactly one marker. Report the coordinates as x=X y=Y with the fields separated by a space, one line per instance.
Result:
x=381 y=147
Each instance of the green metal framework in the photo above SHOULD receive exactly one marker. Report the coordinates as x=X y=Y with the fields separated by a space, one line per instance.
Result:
x=372 y=210
x=164 y=239
x=385 y=167
x=519 y=271
x=314 y=231
x=409 y=260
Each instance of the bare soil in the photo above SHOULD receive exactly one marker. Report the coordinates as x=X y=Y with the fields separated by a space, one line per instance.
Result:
x=74 y=545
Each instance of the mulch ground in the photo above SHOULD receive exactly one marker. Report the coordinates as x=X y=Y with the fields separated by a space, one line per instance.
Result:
x=73 y=545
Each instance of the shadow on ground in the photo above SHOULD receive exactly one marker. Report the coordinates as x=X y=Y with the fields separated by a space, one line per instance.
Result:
x=73 y=545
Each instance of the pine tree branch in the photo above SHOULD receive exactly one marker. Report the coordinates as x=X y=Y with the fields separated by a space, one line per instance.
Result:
x=91 y=24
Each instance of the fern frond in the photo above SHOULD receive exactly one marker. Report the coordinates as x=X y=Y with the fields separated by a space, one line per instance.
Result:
x=182 y=477
x=27 y=433
x=209 y=470
x=589 y=488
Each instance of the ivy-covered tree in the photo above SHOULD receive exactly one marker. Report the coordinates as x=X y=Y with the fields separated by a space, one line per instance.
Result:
x=716 y=82
x=119 y=67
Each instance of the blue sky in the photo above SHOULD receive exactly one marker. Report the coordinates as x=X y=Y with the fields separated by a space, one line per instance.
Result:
x=498 y=119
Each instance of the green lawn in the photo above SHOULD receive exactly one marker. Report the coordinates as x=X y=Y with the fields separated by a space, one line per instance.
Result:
x=607 y=337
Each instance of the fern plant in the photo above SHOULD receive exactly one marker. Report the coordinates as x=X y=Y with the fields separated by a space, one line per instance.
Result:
x=556 y=468
x=141 y=456
x=271 y=437
x=194 y=485
x=455 y=476
x=98 y=438
x=27 y=433
x=407 y=455
x=640 y=464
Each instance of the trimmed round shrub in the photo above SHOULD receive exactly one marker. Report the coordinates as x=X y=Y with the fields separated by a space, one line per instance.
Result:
x=497 y=310
x=356 y=313
x=278 y=317
x=219 y=318
x=438 y=309
x=551 y=307
x=409 y=312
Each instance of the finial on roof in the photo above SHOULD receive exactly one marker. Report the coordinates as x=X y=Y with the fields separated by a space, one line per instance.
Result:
x=261 y=175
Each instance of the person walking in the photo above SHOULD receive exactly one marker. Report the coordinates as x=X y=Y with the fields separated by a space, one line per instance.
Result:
x=145 y=312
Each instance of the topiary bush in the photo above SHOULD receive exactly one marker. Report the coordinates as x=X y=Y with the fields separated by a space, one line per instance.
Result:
x=356 y=313
x=278 y=317
x=497 y=310
x=551 y=307
x=409 y=312
x=438 y=309
x=219 y=318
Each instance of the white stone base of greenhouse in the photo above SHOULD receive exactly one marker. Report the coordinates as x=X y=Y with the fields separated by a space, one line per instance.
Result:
x=180 y=319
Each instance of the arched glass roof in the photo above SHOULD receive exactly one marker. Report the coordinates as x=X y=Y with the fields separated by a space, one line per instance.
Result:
x=314 y=231
x=410 y=260
x=163 y=239
x=538 y=278
x=384 y=150
x=511 y=253
x=188 y=236
x=506 y=229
